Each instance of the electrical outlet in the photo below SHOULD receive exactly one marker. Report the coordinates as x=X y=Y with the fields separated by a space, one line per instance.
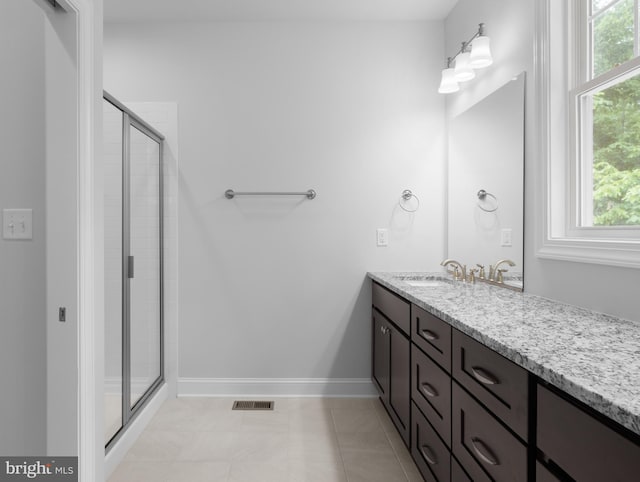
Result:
x=17 y=223
x=382 y=237
x=505 y=237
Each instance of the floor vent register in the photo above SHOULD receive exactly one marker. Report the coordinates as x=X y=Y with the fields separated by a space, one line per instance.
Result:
x=252 y=405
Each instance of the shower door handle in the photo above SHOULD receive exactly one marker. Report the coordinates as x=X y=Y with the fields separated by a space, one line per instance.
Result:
x=130 y=265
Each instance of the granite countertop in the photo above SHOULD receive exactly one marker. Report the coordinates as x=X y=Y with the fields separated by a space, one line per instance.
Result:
x=591 y=356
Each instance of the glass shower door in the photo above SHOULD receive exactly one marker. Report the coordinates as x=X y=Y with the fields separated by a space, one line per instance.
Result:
x=134 y=355
x=145 y=269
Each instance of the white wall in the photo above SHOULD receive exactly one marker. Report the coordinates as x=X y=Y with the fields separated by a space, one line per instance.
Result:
x=62 y=232
x=22 y=273
x=273 y=287
x=511 y=28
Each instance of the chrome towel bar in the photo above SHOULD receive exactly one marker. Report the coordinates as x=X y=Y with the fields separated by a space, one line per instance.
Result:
x=230 y=194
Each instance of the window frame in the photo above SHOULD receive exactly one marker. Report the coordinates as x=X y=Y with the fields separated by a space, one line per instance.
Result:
x=583 y=82
x=560 y=64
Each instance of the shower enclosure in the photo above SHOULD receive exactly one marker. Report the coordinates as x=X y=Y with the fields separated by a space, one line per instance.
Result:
x=133 y=213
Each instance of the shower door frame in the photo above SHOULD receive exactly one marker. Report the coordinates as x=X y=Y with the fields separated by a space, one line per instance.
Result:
x=131 y=120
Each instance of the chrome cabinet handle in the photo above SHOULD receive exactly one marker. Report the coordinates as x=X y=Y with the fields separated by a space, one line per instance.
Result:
x=483 y=376
x=484 y=452
x=430 y=335
x=429 y=390
x=384 y=330
x=428 y=455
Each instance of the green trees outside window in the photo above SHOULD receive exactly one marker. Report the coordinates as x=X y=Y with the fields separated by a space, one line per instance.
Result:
x=616 y=121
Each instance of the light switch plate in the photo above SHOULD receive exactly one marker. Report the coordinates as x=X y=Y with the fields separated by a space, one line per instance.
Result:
x=17 y=223
x=505 y=237
x=382 y=237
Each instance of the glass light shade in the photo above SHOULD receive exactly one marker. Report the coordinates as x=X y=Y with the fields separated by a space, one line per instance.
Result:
x=481 y=53
x=463 y=70
x=448 y=84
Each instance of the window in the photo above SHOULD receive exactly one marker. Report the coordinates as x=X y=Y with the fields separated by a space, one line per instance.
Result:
x=588 y=130
x=607 y=117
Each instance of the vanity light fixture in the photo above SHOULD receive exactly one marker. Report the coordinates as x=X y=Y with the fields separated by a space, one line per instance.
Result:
x=475 y=53
x=463 y=70
x=448 y=84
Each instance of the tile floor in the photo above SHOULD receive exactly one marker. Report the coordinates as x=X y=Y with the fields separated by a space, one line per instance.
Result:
x=301 y=440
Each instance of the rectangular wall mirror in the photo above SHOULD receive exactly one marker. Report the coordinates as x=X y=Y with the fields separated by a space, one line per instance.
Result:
x=486 y=182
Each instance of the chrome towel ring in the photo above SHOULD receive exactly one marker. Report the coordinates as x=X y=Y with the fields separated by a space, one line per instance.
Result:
x=406 y=197
x=482 y=196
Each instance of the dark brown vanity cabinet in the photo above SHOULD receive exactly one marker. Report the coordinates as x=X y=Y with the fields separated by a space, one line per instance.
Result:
x=432 y=336
x=431 y=454
x=391 y=357
x=489 y=419
x=576 y=444
x=469 y=414
x=485 y=448
x=467 y=403
x=431 y=392
x=498 y=383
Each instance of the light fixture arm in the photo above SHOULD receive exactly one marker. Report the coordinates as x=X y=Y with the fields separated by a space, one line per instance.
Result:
x=465 y=45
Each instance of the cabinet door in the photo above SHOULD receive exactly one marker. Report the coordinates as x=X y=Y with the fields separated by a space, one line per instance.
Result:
x=381 y=352
x=400 y=381
x=582 y=446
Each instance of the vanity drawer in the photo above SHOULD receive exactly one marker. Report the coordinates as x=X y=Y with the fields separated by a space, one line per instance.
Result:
x=582 y=446
x=544 y=475
x=457 y=473
x=486 y=449
x=429 y=452
x=432 y=335
x=501 y=385
x=393 y=307
x=431 y=391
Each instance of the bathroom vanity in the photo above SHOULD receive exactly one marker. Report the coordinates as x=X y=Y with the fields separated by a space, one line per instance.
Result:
x=484 y=383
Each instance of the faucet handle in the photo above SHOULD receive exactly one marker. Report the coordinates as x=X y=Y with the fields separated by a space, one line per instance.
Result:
x=471 y=277
x=481 y=273
x=456 y=273
x=499 y=277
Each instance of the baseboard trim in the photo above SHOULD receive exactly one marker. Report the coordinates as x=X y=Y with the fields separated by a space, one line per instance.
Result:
x=283 y=387
x=119 y=450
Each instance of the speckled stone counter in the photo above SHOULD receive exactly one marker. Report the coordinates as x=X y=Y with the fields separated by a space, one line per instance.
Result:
x=591 y=356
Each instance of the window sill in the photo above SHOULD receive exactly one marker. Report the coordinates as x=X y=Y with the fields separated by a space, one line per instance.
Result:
x=611 y=253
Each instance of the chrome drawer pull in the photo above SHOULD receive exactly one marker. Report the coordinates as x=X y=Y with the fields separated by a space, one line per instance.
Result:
x=429 y=335
x=484 y=376
x=428 y=455
x=483 y=452
x=429 y=390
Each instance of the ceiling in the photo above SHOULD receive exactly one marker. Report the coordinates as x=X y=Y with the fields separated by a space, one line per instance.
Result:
x=119 y=11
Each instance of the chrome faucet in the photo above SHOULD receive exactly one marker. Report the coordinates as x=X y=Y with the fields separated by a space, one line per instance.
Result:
x=459 y=270
x=495 y=273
